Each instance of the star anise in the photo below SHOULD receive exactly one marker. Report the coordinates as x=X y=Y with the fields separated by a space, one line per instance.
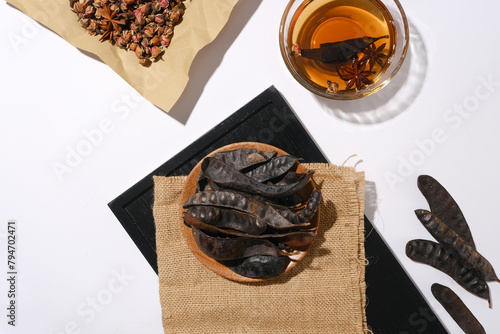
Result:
x=373 y=55
x=79 y=8
x=110 y=23
x=356 y=74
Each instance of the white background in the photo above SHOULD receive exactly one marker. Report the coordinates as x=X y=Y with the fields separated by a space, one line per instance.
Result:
x=79 y=272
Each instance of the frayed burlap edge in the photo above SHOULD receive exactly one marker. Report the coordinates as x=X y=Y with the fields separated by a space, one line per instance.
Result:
x=360 y=187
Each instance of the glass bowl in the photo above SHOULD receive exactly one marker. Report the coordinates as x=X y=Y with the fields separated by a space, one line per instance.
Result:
x=343 y=49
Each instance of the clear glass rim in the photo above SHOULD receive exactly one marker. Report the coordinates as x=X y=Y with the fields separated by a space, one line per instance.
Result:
x=351 y=96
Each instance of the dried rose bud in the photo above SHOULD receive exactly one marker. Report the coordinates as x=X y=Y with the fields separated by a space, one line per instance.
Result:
x=168 y=31
x=92 y=28
x=129 y=2
x=145 y=42
x=136 y=38
x=97 y=3
x=155 y=51
x=147 y=52
x=121 y=43
x=127 y=36
x=155 y=41
x=165 y=40
x=164 y=3
x=132 y=46
x=138 y=51
x=333 y=87
x=84 y=22
x=295 y=50
x=146 y=9
x=78 y=8
x=114 y=8
x=179 y=8
x=99 y=12
x=160 y=19
x=149 y=31
x=174 y=17
x=144 y=61
x=156 y=7
x=149 y=18
x=89 y=11
x=139 y=19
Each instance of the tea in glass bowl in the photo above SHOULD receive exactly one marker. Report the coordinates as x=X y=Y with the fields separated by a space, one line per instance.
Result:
x=343 y=49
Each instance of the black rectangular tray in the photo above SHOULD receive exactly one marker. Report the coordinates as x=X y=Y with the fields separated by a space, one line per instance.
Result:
x=394 y=304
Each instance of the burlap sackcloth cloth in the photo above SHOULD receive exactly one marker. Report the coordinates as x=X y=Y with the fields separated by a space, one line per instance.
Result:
x=324 y=293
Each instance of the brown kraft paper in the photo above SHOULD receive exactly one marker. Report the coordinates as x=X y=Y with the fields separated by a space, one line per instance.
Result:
x=164 y=81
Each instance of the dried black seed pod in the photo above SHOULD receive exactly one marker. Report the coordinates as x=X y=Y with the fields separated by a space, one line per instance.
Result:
x=306 y=214
x=457 y=309
x=243 y=202
x=444 y=207
x=202 y=183
x=293 y=238
x=229 y=177
x=244 y=157
x=228 y=219
x=437 y=256
x=287 y=178
x=259 y=266
x=293 y=203
x=339 y=52
x=224 y=248
x=457 y=246
x=275 y=167
x=239 y=159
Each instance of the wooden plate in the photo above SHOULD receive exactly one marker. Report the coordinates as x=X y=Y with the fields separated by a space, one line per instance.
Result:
x=189 y=190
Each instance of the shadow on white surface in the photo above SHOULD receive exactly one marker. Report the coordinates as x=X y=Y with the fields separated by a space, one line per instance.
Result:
x=90 y=55
x=209 y=58
x=393 y=99
x=370 y=200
